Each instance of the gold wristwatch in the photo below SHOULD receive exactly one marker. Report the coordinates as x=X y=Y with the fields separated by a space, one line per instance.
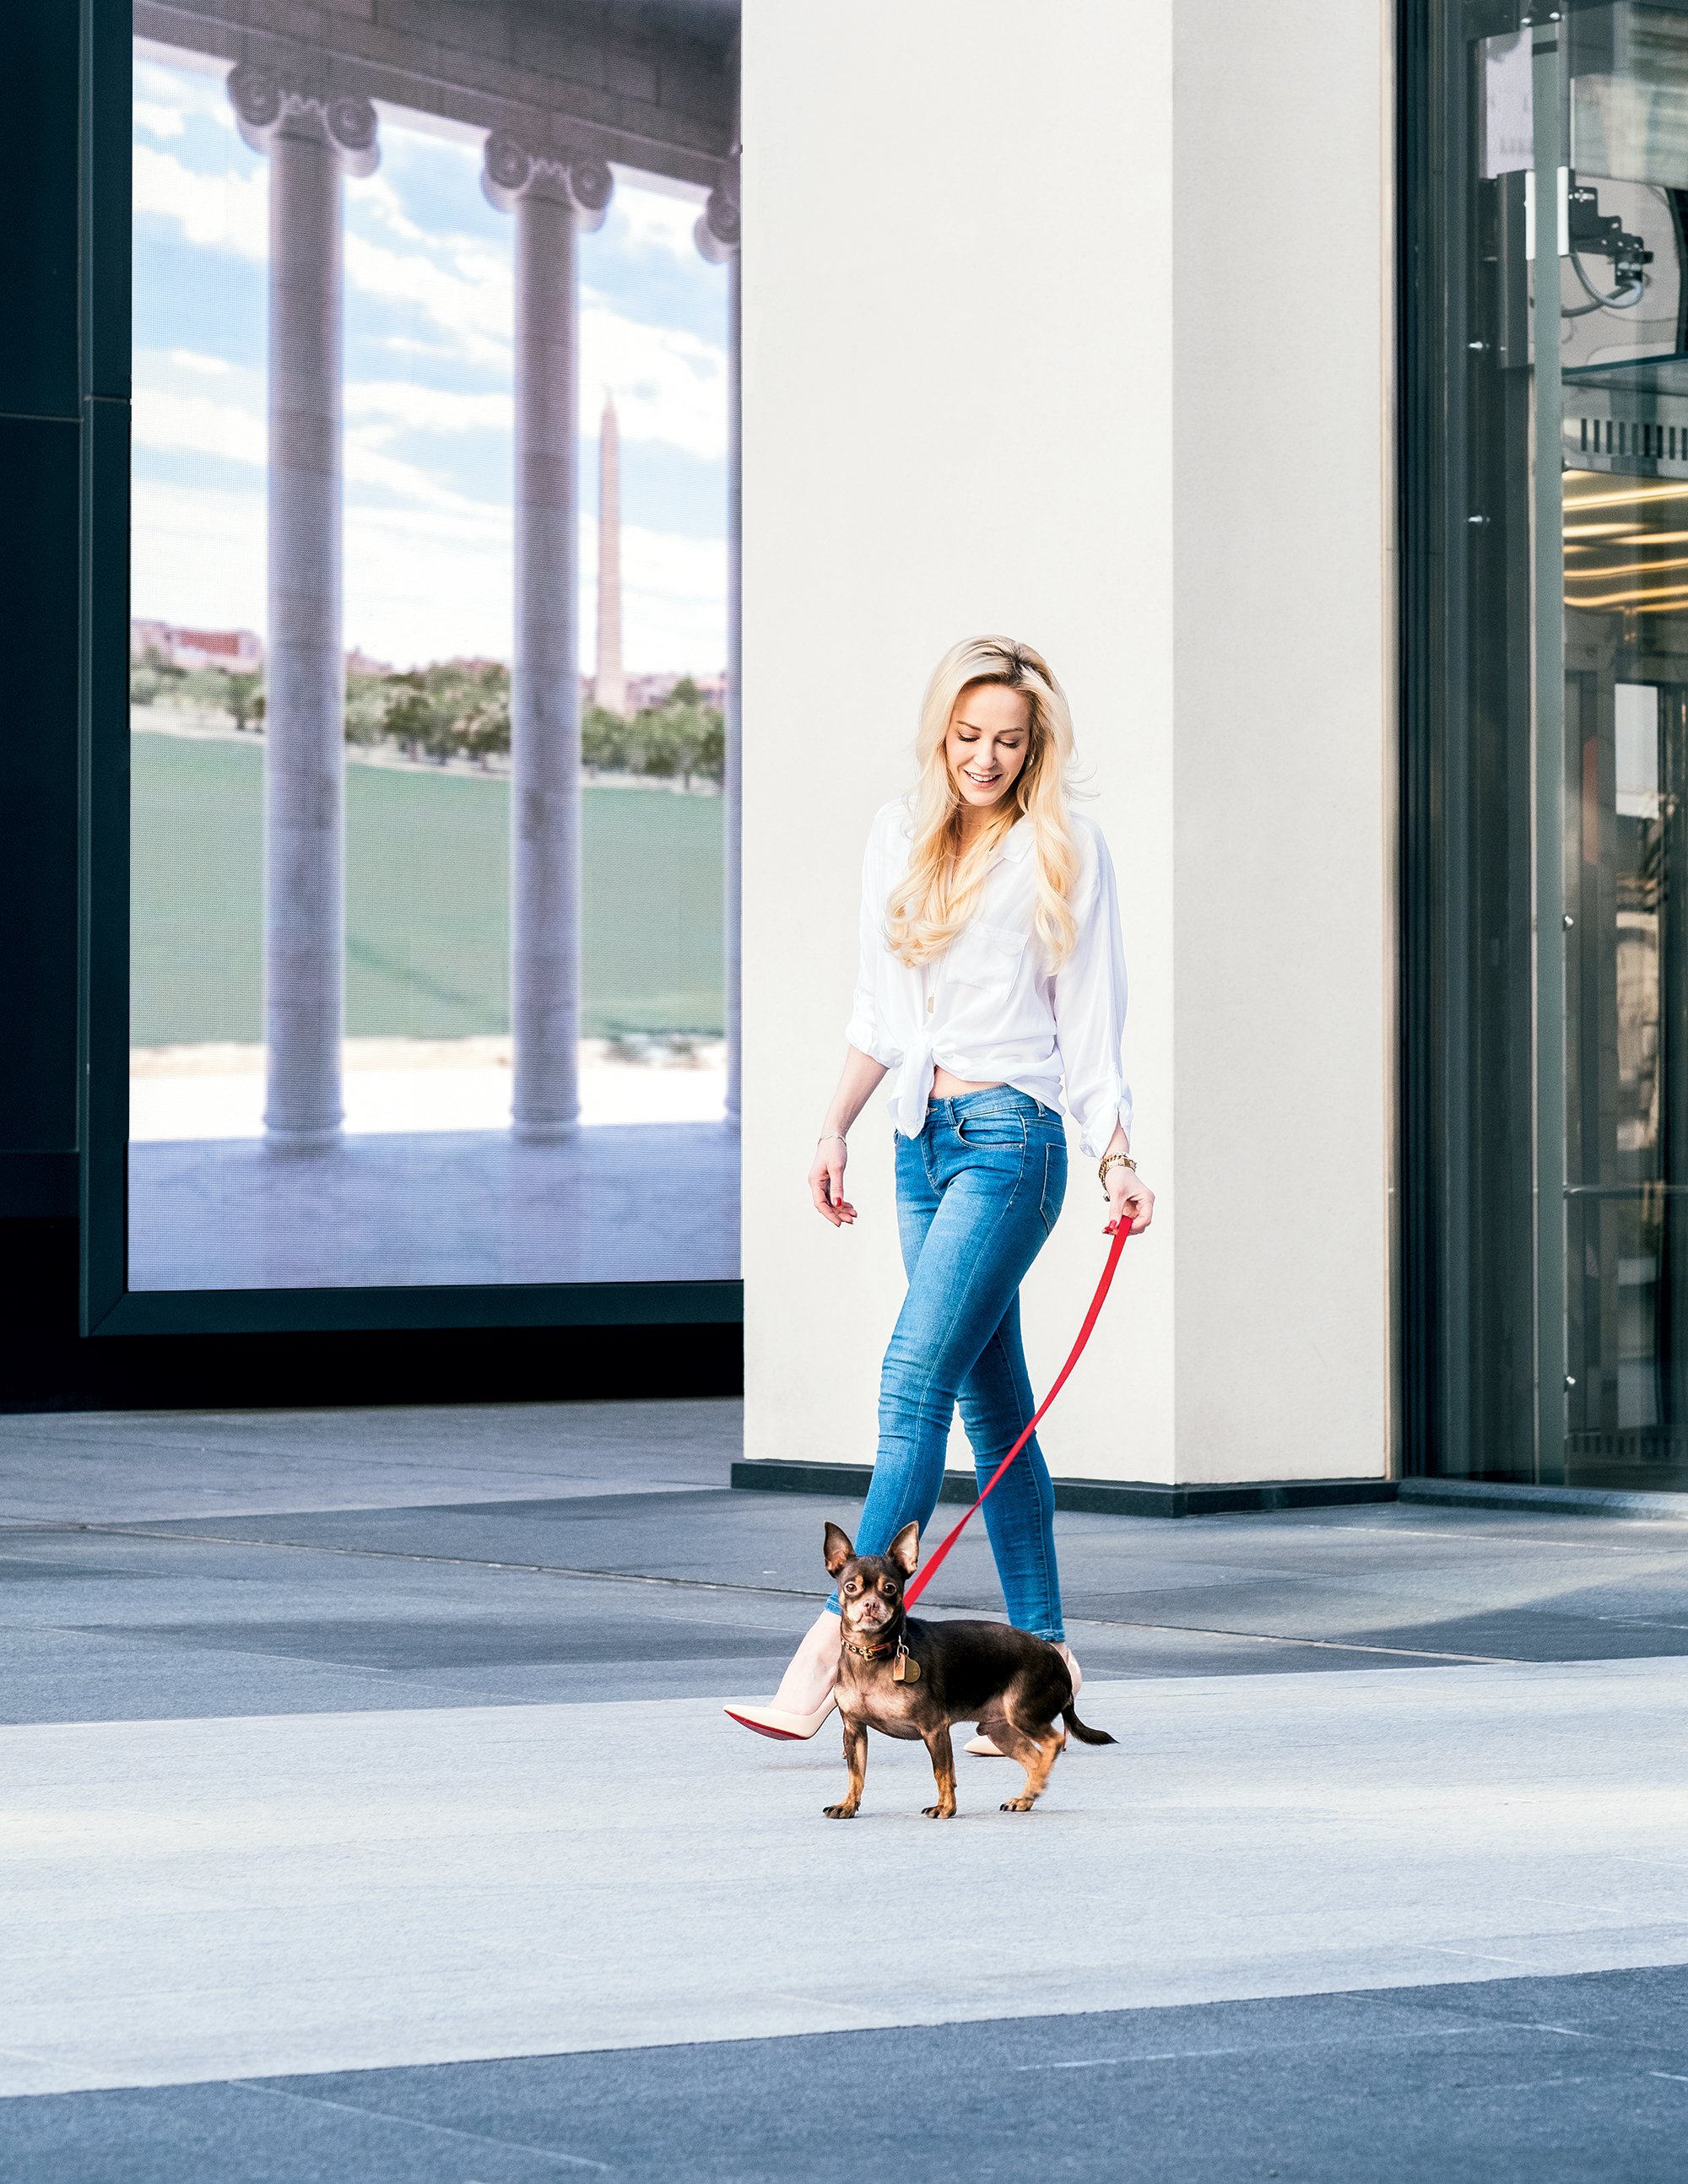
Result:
x=1113 y=1160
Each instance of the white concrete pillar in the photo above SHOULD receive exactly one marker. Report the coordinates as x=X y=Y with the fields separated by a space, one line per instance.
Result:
x=609 y=682
x=553 y=199
x=718 y=238
x=1069 y=442
x=312 y=138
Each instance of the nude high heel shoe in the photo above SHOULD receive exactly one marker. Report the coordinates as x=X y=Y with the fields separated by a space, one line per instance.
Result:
x=817 y=1658
x=984 y=1748
x=772 y=1721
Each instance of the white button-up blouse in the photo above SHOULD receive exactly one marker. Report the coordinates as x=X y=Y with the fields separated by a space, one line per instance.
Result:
x=989 y=1009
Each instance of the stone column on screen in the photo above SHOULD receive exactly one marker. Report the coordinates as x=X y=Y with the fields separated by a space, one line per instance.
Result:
x=717 y=237
x=554 y=197
x=313 y=137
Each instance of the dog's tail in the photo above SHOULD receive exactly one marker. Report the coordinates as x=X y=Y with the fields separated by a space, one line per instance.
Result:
x=1084 y=1735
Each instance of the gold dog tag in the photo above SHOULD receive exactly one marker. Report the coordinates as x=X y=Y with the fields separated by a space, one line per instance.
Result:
x=904 y=1670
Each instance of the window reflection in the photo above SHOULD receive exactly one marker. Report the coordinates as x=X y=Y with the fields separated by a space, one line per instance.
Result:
x=1623 y=345
x=1494 y=768
x=1626 y=644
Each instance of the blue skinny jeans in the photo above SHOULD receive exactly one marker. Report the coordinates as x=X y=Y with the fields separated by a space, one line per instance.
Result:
x=977 y=1193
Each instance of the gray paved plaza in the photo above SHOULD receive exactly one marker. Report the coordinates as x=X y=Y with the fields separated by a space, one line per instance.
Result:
x=370 y=1815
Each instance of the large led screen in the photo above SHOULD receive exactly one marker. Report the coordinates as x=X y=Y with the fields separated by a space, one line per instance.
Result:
x=429 y=706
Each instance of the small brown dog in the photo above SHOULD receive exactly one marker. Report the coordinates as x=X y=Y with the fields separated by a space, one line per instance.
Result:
x=909 y=1678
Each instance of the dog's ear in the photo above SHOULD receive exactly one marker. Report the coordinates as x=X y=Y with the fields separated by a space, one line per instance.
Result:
x=838 y=1549
x=905 y=1549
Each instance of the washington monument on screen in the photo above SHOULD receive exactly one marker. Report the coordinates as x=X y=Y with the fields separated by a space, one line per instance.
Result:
x=610 y=689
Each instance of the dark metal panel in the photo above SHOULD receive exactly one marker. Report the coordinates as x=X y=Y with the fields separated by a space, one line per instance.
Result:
x=98 y=1075
x=1551 y=153
x=45 y=1365
x=1467 y=891
x=1422 y=277
x=103 y=865
x=38 y=211
x=103 y=873
x=561 y=1304
x=38 y=199
x=107 y=192
x=37 y=1186
x=38 y=784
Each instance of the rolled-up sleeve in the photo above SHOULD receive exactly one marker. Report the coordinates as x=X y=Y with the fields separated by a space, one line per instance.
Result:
x=866 y=1030
x=1089 y=1013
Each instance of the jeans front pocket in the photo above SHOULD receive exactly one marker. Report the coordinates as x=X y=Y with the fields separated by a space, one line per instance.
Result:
x=999 y=1128
x=994 y=1146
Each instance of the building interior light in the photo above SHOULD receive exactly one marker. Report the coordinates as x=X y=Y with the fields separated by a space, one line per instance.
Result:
x=1677 y=591
x=1632 y=569
x=1629 y=497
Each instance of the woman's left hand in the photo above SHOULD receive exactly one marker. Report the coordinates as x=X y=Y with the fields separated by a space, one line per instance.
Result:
x=1130 y=1199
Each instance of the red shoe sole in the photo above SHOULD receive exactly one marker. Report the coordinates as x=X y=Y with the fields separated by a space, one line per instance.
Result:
x=779 y=1735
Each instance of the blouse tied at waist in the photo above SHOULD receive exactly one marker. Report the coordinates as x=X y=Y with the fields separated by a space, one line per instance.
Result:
x=991 y=1010
x=915 y=1074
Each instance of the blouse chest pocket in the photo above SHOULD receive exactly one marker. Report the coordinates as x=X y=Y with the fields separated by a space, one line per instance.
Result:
x=986 y=957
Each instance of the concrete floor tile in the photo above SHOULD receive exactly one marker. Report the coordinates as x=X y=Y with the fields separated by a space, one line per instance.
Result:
x=1570 y=2080
x=219 y=1898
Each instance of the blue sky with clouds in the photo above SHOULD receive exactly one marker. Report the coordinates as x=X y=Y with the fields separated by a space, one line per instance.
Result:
x=429 y=315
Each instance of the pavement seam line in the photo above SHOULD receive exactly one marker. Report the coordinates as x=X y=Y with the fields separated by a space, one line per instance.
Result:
x=398 y=1555
x=766 y=1591
x=1205 y=2054
x=416 y=2123
x=1330 y=1644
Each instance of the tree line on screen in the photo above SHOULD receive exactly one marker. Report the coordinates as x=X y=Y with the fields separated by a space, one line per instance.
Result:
x=154 y=679
x=459 y=709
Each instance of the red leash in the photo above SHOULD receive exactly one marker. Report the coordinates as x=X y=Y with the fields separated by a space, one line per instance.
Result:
x=923 y=1576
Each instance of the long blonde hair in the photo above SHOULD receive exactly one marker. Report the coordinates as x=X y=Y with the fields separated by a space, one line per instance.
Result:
x=939 y=896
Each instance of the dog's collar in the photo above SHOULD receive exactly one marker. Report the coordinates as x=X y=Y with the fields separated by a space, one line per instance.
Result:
x=870 y=1653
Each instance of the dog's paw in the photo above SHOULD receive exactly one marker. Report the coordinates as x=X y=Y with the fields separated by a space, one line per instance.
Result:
x=839 y=1811
x=1019 y=1805
x=937 y=1812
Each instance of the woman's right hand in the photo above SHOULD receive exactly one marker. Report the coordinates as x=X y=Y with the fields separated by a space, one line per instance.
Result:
x=826 y=1182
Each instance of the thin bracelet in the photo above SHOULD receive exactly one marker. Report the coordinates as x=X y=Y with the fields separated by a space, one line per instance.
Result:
x=838 y=1134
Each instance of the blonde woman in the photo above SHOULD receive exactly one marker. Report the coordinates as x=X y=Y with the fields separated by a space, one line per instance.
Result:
x=992 y=981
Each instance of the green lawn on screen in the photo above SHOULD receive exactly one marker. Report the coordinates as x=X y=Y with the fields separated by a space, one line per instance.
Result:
x=427 y=896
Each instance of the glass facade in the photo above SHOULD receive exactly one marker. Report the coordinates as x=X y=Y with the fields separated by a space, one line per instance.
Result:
x=1545 y=739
